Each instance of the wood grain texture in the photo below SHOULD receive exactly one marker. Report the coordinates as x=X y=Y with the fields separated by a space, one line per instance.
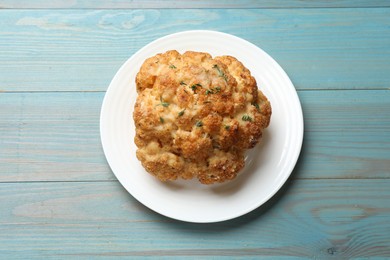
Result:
x=51 y=136
x=312 y=219
x=119 y=4
x=80 y=50
x=55 y=136
x=59 y=198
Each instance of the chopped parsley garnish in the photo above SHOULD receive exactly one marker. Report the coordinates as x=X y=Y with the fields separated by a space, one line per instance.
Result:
x=195 y=86
x=199 y=123
x=246 y=118
x=182 y=83
x=256 y=106
x=213 y=90
x=161 y=120
x=220 y=72
x=181 y=113
x=162 y=103
x=172 y=66
x=227 y=127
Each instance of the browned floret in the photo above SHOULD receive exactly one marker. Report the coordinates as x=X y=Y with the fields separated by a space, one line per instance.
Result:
x=195 y=116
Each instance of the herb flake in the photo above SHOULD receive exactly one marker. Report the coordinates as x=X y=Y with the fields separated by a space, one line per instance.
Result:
x=220 y=72
x=213 y=90
x=199 y=124
x=195 y=86
x=172 y=66
x=163 y=103
x=246 y=118
x=181 y=113
x=209 y=91
x=161 y=120
x=256 y=106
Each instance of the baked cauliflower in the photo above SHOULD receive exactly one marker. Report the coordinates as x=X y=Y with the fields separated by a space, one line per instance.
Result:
x=195 y=116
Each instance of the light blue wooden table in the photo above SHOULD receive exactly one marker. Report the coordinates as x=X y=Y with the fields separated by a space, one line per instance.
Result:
x=58 y=196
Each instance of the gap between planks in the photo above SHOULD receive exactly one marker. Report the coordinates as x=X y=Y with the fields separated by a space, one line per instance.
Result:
x=103 y=91
x=191 y=8
x=111 y=181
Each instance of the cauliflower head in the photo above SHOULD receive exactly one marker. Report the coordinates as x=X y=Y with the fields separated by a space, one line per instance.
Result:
x=195 y=116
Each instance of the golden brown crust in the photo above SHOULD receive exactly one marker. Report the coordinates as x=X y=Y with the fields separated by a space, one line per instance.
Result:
x=195 y=116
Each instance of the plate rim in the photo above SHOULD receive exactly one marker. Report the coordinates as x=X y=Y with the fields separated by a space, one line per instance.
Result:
x=293 y=160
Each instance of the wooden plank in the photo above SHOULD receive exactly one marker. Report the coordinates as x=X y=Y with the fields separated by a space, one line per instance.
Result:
x=120 y=4
x=50 y=136
x=346 y=134
x=315 y=219
x=55 y=136
x=81 y=50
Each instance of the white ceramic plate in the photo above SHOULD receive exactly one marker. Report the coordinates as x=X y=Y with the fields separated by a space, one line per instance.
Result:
x=267 y=166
